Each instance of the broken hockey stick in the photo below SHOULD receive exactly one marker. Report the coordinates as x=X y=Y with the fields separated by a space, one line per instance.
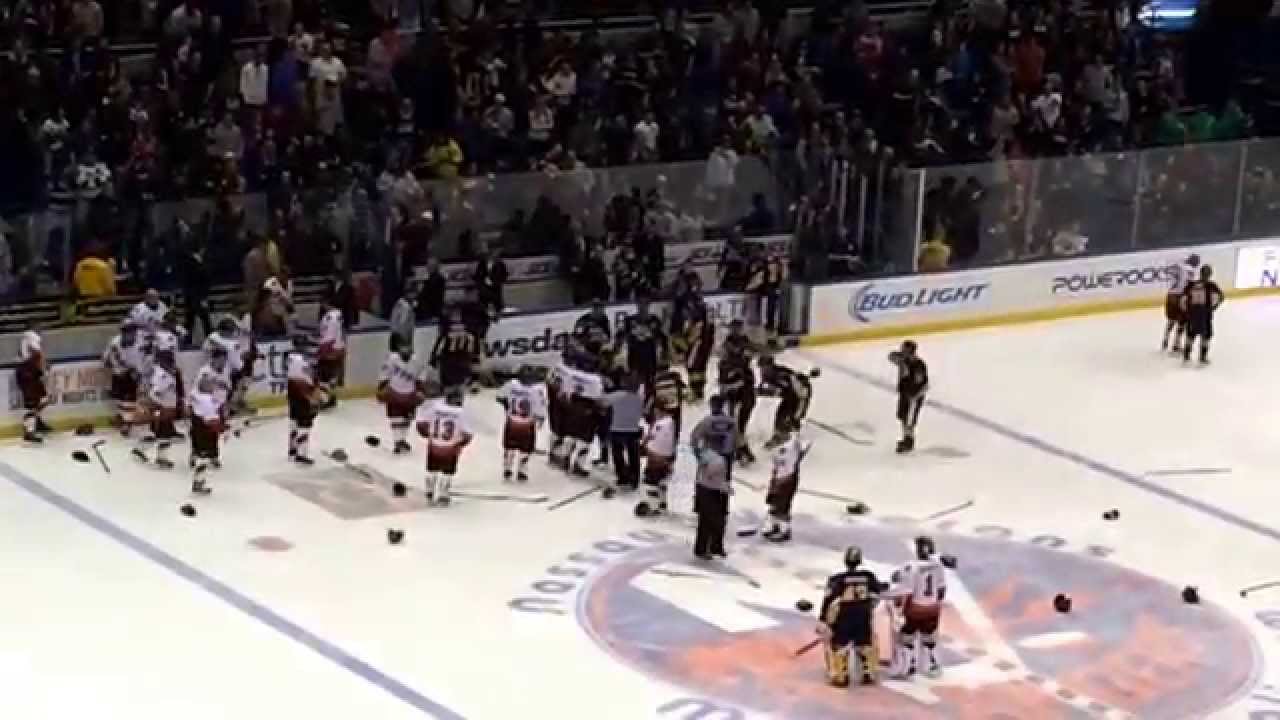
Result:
x=1260 y=586
x=509 y=497
x=575 y=497
x=808 y=646
x=96 y=447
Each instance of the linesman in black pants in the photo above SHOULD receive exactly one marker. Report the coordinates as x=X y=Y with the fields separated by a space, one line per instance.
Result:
x=626 y=406
x=913 y=383
x=714 y=440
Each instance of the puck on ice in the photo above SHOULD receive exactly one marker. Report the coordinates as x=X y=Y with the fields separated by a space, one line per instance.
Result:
x=804 y=605
x=188 y=510
x=857 y=508
x=394 y=536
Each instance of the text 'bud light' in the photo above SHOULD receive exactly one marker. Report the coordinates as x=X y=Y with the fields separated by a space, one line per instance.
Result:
x=869 y=301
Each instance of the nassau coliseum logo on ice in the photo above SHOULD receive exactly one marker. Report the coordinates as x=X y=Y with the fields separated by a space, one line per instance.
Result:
x=1129 y=649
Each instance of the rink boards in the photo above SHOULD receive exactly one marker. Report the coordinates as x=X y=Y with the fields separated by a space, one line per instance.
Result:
x=835 y=313
x=1046 y=290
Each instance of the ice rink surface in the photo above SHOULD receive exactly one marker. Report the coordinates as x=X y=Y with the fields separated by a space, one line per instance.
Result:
x=283 y=599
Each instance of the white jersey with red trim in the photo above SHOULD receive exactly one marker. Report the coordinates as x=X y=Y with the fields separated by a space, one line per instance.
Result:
x=300 y=377
x=220 y=380
x=162 y=388
x=444 y=426
x=582 y=384
x=208 y=408
x=786 y=458
x=121 y=359
x=401 y=376
x=923 y=582
x=333 y=338
x=147 y=318
x=230 y=345
x=526 y=404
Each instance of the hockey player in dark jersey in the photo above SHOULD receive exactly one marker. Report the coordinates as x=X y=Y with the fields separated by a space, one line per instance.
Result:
x=455 y=350
x=846 y=620
x=913 y=383
x=699 y=333
x=592 y=328
x=1199 y=301
x=794 y=391
x=736 y=343
x=644 y=342
x=738 y=387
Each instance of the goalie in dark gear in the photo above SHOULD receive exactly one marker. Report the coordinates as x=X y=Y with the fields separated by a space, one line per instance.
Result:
x=845 y=621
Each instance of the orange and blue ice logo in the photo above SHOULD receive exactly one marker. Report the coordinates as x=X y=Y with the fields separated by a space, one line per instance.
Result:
x=1130 y=648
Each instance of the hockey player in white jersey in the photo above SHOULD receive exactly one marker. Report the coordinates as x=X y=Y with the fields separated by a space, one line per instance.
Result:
x=444 y=425
x=208 y=420
x=1175 y=317
x=582 y=391
x=401 y=391
x=148 y=314
x=783 y=484
x=161 y=405
x=332 y=354
x=217 y=373
x=921 y=586
x=125 y=359
x=305 y=397
x=659 y=445
x=523 y=397
x=239 y=350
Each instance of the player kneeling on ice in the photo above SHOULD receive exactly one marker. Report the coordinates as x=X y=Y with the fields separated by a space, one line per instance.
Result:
x=920 y=586
x=523 y=400
x=659 y=446
x=208 y=420
x=783 y=484
x=400 y=390
x=445 y=427
x=845 y=621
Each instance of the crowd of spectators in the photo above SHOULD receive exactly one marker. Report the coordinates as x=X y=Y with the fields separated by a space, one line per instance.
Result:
x=340 y=120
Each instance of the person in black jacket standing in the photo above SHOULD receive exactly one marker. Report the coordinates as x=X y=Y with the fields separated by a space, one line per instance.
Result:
x=490 y=278
x=431 y=293
x=195 y=286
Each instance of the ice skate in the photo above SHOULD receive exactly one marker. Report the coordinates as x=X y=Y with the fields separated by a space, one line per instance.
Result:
x=402 y=447
x=506 y=476
x=303 y=460
x=164 y=463
x=32 y=438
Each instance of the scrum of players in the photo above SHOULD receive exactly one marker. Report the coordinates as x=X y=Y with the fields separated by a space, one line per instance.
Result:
x=151 y=397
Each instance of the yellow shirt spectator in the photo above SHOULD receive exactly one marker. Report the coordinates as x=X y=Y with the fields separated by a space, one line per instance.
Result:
x=935 y=254
x=444 y=158
x=95 y=278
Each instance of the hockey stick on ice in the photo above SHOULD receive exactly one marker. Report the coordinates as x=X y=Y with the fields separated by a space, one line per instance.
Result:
x=1260 y=586
x=96 y=447
x=837 y=432
x=807 y=647
x=575 y=497
x=509 y=497
x=949 y=511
